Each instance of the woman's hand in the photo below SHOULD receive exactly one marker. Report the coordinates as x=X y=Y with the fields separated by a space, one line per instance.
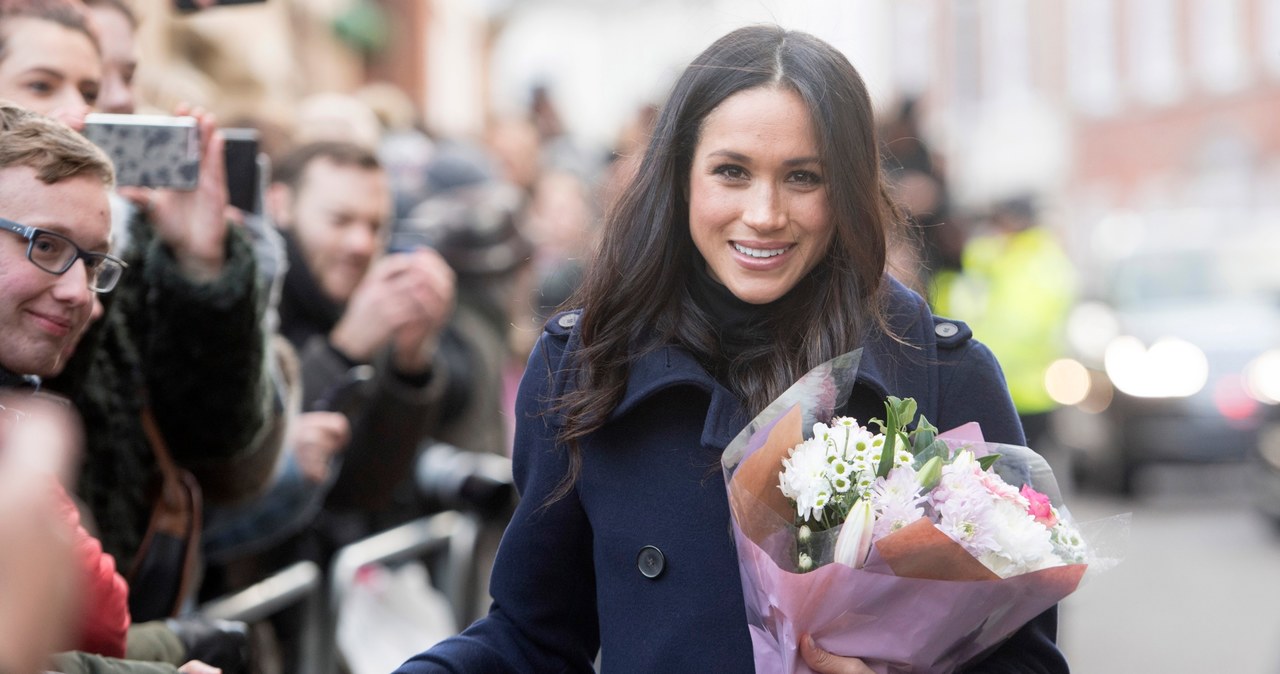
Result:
x=825 y=663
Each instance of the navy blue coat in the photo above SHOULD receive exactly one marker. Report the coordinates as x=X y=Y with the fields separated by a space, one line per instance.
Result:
x=567 y=581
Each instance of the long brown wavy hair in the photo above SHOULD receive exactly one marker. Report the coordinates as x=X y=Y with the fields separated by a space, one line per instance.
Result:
x=634 y=295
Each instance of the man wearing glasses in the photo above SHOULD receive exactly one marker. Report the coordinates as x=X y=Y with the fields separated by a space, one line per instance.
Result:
x=54 y=256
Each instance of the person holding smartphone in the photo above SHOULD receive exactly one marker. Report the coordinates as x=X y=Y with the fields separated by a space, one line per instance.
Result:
x=181 y=336
x=55 y=263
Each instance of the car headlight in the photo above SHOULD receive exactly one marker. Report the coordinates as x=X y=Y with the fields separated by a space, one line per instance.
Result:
x=1262 y=378
x=1171 y=368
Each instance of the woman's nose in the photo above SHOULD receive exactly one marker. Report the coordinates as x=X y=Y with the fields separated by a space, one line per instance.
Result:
x=765 y=210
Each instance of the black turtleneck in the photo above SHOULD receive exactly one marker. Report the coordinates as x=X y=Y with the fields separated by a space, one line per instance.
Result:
x=741 y=326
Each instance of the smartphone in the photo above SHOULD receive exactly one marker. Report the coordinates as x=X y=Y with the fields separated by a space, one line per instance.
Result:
x=149 y=150
x=408 y=241
x=243 y=175
x=193 y=6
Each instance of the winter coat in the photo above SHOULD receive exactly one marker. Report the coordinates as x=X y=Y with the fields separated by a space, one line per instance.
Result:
x=192 y=351
x=637 y=562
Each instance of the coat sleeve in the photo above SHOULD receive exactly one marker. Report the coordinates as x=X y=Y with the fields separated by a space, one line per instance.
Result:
x=543 y=617
x=203 y=353
x=85 y=663
x=972 y=388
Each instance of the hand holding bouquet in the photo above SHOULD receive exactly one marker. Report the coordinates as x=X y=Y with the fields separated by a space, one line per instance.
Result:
x=913 y=550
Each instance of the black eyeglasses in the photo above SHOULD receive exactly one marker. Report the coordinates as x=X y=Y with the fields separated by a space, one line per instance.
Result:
x=56 y=253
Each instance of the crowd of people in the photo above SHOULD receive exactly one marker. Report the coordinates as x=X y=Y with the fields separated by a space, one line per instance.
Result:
x=195 y=395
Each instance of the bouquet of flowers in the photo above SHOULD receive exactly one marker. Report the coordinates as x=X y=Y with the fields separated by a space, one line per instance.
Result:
x=914 y=550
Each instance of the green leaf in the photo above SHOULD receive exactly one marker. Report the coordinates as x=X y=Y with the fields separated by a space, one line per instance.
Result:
x=923 y=436
x=936 y=448
x=987 y=461
x=906 y=412
x=890 y=437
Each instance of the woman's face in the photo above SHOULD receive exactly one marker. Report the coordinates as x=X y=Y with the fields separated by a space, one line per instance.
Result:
x=758 y=209
x=48 y=68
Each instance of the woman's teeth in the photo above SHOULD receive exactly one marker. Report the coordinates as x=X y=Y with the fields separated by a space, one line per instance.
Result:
x=759 y=252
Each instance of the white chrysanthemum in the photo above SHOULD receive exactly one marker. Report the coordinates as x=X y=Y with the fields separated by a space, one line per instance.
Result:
x=1068 y=543
x=845 y=422
x=1023 y=544
x=865 y=482
x=858 y=443
x=804 y=478
x=841 y=475
x=903 y=457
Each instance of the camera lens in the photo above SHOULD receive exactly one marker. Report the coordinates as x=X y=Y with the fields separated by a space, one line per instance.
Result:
x=463 y=480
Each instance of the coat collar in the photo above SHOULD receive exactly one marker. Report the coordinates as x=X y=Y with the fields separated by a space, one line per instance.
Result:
x=880 y=370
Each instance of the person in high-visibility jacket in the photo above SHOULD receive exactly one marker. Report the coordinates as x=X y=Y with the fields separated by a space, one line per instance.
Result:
x=1015 y=291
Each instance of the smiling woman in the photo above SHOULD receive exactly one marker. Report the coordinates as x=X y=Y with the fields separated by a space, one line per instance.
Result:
x=749 y=248
x=49 y=59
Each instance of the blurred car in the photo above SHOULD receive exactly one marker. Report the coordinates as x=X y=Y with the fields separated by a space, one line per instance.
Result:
x=1177 y=358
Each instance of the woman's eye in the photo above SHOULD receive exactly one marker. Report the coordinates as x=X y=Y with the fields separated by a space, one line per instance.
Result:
x=40 y=87
x=90 y=95
x=731 y=172
x=805 y=178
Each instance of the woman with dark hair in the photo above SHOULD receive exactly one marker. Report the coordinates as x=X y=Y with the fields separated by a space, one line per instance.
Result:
x=749 y=248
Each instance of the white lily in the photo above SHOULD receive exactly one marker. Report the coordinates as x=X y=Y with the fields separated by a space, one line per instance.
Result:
x=854 y=541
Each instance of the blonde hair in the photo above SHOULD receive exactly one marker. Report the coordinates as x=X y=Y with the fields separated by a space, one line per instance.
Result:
x=48 y=146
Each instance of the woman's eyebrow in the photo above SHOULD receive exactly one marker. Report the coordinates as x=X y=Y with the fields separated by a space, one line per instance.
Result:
x=44 y=70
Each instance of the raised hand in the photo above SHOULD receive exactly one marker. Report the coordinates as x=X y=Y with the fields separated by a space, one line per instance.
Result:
x=193 y=223
x=404 y=301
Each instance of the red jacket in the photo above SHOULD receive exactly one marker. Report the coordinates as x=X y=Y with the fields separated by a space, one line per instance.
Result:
x=104 y=621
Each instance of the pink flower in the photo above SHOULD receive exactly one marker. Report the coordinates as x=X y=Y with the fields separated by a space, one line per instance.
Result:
x=1039 y=507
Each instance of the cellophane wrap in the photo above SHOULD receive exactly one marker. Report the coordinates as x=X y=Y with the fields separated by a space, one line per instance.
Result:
x=921 y=603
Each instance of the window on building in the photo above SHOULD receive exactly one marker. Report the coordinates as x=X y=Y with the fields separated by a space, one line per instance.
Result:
x=1268 y=29
x=915 y=35
x=1218 y=45
x=1154 y=70
x=1091 y=56
x=1006 y=50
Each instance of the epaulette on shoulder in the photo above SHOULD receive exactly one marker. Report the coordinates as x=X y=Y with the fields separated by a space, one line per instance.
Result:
x=561 y=324
x=951 y=333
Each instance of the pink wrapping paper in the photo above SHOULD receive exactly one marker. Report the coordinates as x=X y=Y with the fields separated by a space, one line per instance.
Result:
x=939 y=610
